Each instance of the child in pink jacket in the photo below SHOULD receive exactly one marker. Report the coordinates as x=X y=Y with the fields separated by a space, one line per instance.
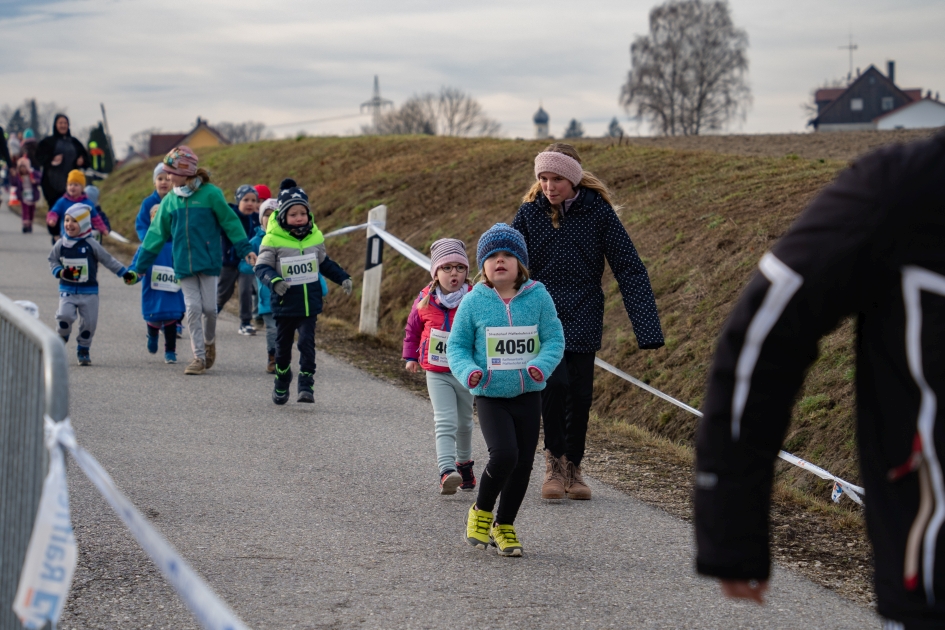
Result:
x=427 y=332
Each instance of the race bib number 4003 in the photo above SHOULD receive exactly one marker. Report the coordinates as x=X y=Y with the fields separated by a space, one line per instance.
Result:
x=511 y=347
x=163 y=279
x=436 y=354
x=298 y=270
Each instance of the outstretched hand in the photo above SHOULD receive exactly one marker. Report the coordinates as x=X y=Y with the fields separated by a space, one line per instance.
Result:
x=745 y=589
x=347 y=286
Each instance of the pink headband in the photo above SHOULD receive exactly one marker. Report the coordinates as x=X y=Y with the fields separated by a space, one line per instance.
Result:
x=559 y=164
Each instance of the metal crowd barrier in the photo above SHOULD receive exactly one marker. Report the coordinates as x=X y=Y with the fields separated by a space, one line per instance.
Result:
x=33 y=383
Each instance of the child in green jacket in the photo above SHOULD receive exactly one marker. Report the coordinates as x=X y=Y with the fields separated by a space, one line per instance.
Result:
x=194 y=215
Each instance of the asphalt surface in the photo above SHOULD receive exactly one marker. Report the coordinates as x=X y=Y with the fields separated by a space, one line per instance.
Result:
x=327 y=516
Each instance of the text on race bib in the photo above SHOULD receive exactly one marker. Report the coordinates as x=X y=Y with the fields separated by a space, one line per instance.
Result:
x=163 y=279
x=79 y=268
x=27 y=196
x=511 y=347
x=298 y=270
x=436 y=350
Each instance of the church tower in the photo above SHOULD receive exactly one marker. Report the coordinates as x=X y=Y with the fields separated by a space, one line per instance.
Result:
x=541 y=124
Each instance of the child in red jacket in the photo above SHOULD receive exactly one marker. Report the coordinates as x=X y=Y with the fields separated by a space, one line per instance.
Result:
x=428 y=329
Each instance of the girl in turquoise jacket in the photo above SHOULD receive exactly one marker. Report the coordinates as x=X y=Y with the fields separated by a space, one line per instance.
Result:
x=506 y=340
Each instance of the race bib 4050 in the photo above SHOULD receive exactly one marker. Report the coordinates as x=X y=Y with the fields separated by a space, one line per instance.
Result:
x=511 y=347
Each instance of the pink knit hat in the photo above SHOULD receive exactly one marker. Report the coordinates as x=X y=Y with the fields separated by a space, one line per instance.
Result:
x=559 y=164
x=445 y=251
x=181 y=161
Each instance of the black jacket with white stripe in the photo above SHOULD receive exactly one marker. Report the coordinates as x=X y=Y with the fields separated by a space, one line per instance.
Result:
x=872 y=244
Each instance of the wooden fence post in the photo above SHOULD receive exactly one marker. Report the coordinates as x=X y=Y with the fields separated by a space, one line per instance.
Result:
x=373 y=266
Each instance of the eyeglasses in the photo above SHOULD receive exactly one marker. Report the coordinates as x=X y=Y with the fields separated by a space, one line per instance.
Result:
x=450 y=268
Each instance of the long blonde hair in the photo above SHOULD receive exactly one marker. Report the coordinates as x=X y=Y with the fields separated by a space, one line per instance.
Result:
x=588 y=180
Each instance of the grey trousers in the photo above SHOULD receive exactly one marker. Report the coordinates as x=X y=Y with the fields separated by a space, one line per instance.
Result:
x=83 y=306
x=200 y=298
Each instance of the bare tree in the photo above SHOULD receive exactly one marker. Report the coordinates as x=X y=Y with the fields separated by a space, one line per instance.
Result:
x=140 y=142
x=575 y=129
x=689 y=74
x=249 y=131
x=809 y=107
x=452 y=112
x=31 y=115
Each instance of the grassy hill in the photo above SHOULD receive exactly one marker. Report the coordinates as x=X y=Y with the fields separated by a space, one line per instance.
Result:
x=700 y=221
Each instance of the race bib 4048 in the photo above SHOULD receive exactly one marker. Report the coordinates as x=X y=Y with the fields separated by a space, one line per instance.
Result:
x=163 y=279
x=298 y=270
x=511 y=347
x=436 y=354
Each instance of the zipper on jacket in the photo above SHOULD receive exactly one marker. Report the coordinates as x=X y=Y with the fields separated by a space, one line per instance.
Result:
x=190 y=252
x=508 y=311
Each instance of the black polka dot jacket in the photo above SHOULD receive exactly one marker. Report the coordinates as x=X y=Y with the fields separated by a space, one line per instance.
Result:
x=569 y=261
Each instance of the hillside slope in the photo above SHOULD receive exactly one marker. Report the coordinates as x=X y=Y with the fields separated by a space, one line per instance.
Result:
x=700 y=221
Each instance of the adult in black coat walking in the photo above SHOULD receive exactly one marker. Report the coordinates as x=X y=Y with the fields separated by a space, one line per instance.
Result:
x=57 y=155
x=871 y=245
x=570 y=227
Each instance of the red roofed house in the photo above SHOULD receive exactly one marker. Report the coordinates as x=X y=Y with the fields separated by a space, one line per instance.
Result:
x=202 y=135
x=863 y=103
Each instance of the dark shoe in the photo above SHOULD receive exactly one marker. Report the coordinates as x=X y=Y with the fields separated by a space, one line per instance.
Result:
x=271 y=366
x=306 y=387
x=247 y=329
x=82 y=353
x=469 y=477
x=152 y=344
x=211 y=352
x=280 y=390
x=259 y=322
x=449 y=481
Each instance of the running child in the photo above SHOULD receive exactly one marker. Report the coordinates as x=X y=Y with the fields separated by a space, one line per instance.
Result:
x=291 y=259
x=193 y=217
x=25 y=183
x=425 y=341
x=75 y=193
x=237 y=274
x=506 y=340
x=74 y=260
x=265 y=308
x=162 y=304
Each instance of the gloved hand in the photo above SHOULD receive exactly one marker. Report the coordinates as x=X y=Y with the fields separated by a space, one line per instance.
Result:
x=130 y=277
x=280 y=287
x=66 y=273
x=347 y=286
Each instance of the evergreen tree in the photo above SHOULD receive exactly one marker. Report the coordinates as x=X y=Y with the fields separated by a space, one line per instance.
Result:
x=614 y=130
x=574 y=130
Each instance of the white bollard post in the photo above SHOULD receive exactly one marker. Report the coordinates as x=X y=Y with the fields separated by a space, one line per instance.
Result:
x=373 y=265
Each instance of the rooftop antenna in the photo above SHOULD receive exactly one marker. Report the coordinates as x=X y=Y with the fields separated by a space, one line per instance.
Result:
x=376 y=104
x=850 y=47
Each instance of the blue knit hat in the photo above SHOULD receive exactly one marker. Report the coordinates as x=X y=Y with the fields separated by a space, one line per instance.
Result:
x=501 y=237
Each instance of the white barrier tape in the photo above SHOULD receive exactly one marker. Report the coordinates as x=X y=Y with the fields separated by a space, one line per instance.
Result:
x=405 y=250
x=118 y=237
x=50 y=560
x=346 y=230
x=211 y=612
x=853 y=491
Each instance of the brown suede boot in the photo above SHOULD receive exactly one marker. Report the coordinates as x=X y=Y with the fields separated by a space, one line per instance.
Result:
x=574 y=485
x=553 y=485
x=271 y=367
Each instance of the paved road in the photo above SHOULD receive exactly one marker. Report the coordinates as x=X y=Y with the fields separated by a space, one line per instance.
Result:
x=325 y=516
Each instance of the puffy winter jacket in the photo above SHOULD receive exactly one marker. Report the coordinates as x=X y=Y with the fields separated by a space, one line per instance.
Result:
x=481 y=308
x=419 y=323
x=194 y=224
x=302 y=300
x=143 y=220
x=569 y=261
x=871 y=245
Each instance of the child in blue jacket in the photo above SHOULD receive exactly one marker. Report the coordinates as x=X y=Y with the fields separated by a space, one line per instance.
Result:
x=506 y=341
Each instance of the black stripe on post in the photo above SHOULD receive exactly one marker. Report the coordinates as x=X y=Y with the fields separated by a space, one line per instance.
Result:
x=375 y=252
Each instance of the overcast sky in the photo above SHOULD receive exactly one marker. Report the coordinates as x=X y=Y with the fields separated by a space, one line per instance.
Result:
x=162 y=64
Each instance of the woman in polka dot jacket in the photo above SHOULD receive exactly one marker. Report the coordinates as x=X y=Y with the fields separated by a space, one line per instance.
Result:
x=570 y=226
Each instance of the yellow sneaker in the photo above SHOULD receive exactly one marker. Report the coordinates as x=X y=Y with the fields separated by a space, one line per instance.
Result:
x=505 y=540
x=478 y=523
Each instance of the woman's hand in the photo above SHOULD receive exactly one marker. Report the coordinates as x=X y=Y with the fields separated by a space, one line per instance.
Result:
x=412 y=367
x=745 y=589
x=474 y=379
x=57 y=160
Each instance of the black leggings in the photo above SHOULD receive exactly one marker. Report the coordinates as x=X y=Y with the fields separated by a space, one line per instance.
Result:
x=510 y=427
x=566 y=405
x=170 y=334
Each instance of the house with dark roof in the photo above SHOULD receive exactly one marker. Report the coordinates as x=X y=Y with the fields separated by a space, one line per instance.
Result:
x=860 y=105
x=202 y=135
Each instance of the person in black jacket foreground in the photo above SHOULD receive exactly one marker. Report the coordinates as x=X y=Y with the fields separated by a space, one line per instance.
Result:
x=872 y=244
x=570 y=227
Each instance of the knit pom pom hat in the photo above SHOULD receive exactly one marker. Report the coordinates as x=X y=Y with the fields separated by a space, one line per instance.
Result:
x=287 y=183
x=181 y=161
x=289 y=197
x=76 y=177
x=502 y=238
x=446 y=251
x=263 y=192
x=82 y=213
x=559 y=164
x=244 y=190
